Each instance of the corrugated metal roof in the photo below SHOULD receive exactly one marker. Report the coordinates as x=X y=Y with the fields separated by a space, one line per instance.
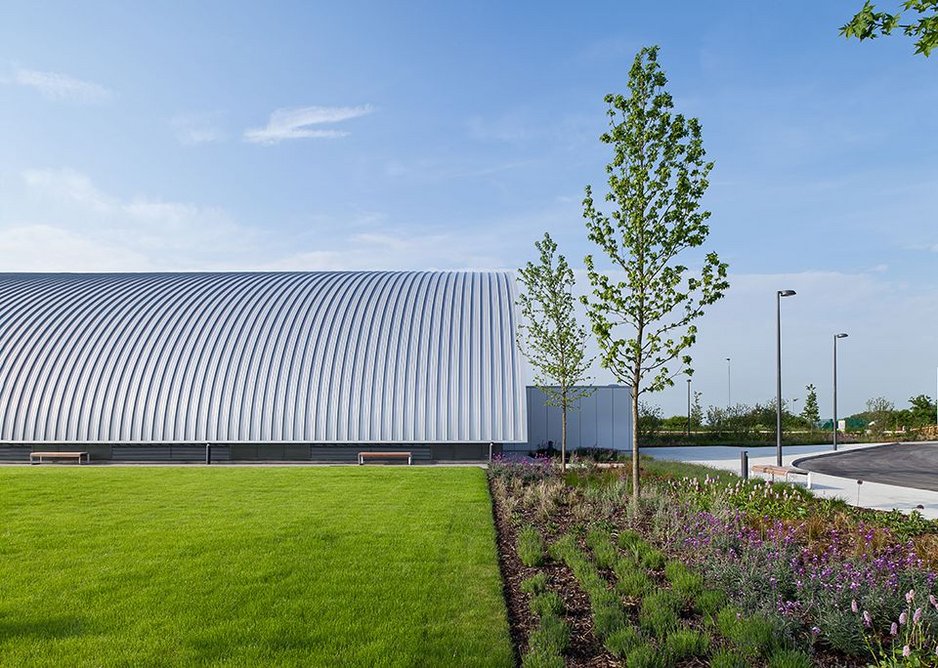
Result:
x=252 y=357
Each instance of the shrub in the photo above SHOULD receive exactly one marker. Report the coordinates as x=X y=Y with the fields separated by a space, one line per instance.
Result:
x=753 y=636
x=600 y=542
x=623 y=641
x=709 y=602
x=530 y=546
x=789 y=659
x=643 y=656
x=551 y=637
x=632 y=582
x=628 y=538
x=542 y=660
x=726 y=659
x=685 y=584
x=648 y=557
x=562 y=548
x=536 y=584
x=546 y=603
x=684 y=644
x=658 y=614
x=608 y=616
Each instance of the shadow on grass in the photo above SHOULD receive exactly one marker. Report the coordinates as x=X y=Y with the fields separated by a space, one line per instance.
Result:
x=53 y=628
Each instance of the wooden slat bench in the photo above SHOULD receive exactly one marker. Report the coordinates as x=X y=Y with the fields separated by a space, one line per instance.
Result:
x=786 y=471
x=362 y=456
x=34 y=456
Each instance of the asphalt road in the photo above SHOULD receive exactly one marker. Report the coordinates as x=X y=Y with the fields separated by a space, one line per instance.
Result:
x=905 y=464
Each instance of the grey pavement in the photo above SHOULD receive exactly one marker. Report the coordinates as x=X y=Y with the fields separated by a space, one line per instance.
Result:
x=903 y=464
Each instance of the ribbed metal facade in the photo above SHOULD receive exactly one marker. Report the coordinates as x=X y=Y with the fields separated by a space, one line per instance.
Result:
x=331 y=357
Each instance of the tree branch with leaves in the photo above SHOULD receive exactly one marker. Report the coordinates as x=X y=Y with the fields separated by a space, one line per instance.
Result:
x=658 y=174
x=549 y=335
x=921 y=23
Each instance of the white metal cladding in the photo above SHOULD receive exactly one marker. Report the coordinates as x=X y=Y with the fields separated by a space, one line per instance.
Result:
x=602 y=419
x=324 y=357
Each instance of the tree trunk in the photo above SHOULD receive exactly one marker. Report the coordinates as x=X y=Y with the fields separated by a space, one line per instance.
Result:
x=635 y=483
x=563 y=437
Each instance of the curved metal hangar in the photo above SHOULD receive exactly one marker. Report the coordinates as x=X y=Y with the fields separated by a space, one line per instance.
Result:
x=275 y=366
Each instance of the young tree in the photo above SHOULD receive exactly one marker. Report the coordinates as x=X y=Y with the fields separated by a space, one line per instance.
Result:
x=922 y=25
x=879 y=412
x=549 y=335
x=696 y=412
x=656 y=179
x=811 y=413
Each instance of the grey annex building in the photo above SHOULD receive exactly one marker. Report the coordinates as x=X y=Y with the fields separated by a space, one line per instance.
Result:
x=311 y=366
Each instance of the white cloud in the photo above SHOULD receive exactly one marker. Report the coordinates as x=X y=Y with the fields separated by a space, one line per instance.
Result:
x=67 y=184
x=61 y=87
x=198 y=128
x=295 y=123
x=42 y=247
x=62 y=209
x=389 y=250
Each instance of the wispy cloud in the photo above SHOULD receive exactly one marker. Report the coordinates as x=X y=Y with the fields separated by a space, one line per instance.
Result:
x=61 y=87
x=197 y=128
x=300 y=122
x=63 y=206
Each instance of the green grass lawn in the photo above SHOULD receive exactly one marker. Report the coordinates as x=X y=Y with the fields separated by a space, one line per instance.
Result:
x=247 y=566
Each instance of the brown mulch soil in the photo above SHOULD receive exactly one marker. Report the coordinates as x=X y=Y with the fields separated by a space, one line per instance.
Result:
x=585 y=648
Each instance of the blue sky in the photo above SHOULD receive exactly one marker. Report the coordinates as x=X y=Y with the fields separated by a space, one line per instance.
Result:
x=165 y=136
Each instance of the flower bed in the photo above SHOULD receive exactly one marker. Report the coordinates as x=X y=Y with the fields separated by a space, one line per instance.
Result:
x=708 y=570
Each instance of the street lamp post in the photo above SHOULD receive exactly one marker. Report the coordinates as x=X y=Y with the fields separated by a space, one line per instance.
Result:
x=778 y=369
x=842 y=335
x=729 y=384
x=688 y=408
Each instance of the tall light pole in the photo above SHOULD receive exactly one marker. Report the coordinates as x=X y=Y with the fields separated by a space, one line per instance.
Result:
x=778 y=370
x=729 y=384
x=836 y=336
x=688 y=408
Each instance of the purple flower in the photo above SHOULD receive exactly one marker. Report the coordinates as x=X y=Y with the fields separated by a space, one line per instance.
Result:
x=910 y=596
x=906 y=650
x=903 y=618
x=853 y=606
x=894 y=629
x=933 y=600
x=917 y=615
x=867 y=620
x=815 y=631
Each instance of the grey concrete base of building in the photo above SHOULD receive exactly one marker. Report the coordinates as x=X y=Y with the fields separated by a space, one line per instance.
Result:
x=249 y=452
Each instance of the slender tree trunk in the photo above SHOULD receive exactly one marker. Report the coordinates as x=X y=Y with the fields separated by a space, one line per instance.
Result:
x=563 y=436
x=635 y=446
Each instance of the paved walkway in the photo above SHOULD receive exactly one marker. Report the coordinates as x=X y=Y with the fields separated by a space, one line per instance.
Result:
x=875 y=495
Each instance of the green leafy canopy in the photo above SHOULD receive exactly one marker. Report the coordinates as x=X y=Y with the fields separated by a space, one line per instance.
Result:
x=656 y=178
x=548 y=334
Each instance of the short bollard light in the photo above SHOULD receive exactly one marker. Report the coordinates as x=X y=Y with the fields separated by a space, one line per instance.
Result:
x=859 y=482
x=208 y=453
x=744 y=464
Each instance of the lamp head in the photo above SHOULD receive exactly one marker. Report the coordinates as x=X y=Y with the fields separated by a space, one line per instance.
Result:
x=786 y=293
x=842 y=335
